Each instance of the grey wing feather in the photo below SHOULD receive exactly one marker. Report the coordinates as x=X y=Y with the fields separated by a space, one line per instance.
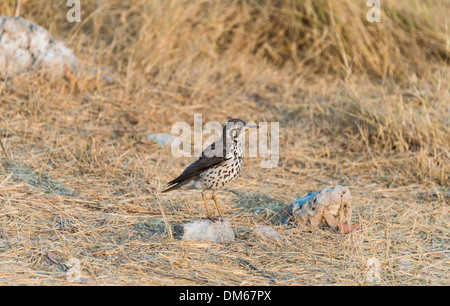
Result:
x=202 y=164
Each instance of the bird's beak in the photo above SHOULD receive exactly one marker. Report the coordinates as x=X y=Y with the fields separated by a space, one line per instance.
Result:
x=250 y=127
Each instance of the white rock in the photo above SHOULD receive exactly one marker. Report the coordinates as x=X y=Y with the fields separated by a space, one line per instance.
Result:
x=162 y=138
x=267 y=233
x=28 y=47
x=206 y=230
x=331 y=207
x=404 y=263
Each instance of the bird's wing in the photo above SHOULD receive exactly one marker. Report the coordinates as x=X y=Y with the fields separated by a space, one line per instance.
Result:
x=206 y=161
x=203 y=163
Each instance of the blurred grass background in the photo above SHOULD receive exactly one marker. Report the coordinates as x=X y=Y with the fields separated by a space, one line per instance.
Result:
x=329 y=36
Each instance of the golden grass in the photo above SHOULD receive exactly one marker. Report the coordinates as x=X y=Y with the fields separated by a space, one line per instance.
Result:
x=359 y=104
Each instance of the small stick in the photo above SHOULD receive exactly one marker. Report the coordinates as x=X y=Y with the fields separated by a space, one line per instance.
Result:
x=169 y=230
x=3 y=148
x=247 y=264
x=1 y=142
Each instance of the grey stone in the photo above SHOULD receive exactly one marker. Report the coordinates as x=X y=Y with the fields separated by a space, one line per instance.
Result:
x=28 y=47
x=330 y=207
x=267 y=232
x=206 y=230
x=162 y=139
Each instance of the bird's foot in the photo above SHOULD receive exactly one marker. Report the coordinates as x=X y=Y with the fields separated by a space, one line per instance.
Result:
x=214 y=218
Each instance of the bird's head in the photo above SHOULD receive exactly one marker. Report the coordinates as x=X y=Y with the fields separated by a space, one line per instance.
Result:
x=236 y=128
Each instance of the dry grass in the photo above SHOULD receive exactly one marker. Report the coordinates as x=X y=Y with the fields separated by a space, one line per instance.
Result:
x=363 y=105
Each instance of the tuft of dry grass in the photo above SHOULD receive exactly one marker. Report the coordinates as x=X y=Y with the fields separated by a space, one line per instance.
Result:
x=359 y=104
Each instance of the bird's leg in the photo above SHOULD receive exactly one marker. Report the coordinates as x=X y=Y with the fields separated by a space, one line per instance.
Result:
x=215 y=202
x=206 y=204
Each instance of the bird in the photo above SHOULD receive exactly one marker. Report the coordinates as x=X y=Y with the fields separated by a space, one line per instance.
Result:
x=219 y=164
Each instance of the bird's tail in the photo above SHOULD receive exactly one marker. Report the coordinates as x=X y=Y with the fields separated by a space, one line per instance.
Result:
x=173 y=187
x=170 y=189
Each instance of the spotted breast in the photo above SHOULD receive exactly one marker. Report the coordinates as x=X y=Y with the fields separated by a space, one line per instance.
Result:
x=221 y=175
